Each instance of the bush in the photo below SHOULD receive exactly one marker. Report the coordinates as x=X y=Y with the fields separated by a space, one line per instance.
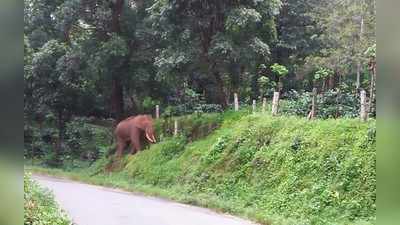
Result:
x=82 y=141
x=193 y=126
x=85 y=141
x=190 y=102
x=40 y=207
x=186 y=109
x=330 y=104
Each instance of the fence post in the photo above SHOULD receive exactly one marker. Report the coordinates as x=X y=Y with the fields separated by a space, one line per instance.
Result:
x=254 y=106
x=264 y=104
x=363 y=108
x=157 y=111
x=236 y=101
x=275 y=103
x=313 y=105
x=175 y=127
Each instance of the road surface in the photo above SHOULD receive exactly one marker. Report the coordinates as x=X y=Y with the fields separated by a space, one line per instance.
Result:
x=94 y=205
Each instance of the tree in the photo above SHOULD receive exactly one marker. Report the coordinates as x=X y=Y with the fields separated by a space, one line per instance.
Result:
x=321 y=75
x=56 y=83
x=371 y=54
x=217 y=36
x=280 y=71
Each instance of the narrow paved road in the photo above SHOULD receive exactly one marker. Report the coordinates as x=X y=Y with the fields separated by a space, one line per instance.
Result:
x=94 y=205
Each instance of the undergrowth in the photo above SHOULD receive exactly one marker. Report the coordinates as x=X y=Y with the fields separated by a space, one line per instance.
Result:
x=315 y=172
x=274 y=170
x=40 y=207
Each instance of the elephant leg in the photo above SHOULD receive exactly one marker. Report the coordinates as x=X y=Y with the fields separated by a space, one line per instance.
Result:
x=135 y=140
x=121 y=144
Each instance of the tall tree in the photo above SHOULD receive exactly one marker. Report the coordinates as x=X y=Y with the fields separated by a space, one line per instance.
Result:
x=222 y=34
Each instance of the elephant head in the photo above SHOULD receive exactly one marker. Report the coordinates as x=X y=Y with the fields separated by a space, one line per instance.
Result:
x=145 y=123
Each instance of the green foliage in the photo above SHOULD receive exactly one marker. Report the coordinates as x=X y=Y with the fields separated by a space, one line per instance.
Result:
x=193 y=126
x=149 y=104
x=84 y=142
x=266 y=86
x=152 y=163
x=322 y=73
x=191 y=102
x=371 y=51
x=281 y=167
x=279 y=70
x=40 y=207
x=85 y=63
x=330 y=104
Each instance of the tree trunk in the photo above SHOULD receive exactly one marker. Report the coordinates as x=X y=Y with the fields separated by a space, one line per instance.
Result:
x=221 y=96
x=117 y=99
x=372 y=85
x=60 y=139
x=313 y=111
x=116 y=14
x=332 y=81
x=359 y=66
x=338 y=95
x=358 y=82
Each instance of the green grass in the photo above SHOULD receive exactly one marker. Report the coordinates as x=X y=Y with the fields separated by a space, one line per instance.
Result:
x=274 y=170
x=40 y=207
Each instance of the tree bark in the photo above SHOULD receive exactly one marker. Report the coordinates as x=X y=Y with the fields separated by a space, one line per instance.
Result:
x=372 y=85
x=116 y=14
x=221 y=96
x=60 y=139
x=117 y=99
x=359 y=66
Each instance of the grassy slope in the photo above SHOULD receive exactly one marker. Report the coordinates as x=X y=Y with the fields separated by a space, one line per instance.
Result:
x=314 y=172
x=282 y=170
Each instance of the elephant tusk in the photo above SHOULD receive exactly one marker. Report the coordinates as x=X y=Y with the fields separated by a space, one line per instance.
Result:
x=148 y=137
x=154 y=139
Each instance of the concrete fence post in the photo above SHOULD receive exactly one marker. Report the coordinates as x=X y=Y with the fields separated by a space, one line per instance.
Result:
x=236 y=101
x=264 y=105
x=175 y=127
x=275 y=103
x=364 y=106
x=157 y=111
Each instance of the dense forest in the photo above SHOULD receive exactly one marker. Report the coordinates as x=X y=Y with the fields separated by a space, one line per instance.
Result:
x=115 y=58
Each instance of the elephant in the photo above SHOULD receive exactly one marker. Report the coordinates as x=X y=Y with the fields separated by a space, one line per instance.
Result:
x=132 y=130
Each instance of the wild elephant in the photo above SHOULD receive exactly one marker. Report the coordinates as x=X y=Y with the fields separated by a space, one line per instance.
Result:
x=132 y=130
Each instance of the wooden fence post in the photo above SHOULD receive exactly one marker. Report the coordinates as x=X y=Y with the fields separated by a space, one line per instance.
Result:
x=275 y=103
x=313 y=104
x=157 y=111
x=254 y=106
x=176 y=127
x=236 y=101
x=363 y=108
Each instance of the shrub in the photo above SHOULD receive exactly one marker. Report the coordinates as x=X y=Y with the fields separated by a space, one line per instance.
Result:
x=193 y=126
x=85 y=141
x=82 y=141
x=330 y=104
